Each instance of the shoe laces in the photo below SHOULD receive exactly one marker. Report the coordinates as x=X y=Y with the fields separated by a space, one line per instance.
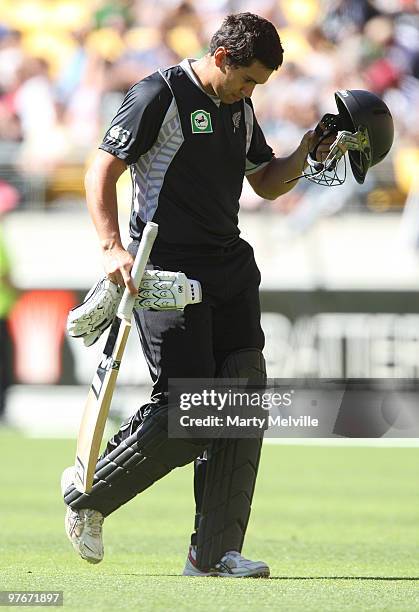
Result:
x=232 y=554
x=93 y=522
x=230 y=560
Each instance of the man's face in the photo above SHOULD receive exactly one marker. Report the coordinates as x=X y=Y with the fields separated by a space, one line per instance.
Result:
x=234 y=83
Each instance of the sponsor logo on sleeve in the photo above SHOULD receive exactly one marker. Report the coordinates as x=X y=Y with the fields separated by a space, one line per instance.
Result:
x=118 y=136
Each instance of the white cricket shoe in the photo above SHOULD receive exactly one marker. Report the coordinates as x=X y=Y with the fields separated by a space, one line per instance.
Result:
x=231 y=565
x=83 y=527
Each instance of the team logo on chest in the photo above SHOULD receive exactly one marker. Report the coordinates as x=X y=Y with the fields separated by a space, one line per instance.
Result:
x=201 y=122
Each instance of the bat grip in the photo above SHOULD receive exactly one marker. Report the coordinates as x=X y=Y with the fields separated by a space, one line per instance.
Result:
x=148 y=237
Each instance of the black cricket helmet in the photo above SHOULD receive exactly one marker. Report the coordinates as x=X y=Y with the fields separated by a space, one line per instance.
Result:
x=362 y=110
x=363 y=127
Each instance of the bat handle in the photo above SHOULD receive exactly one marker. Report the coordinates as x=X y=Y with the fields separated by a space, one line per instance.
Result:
x=148 y=237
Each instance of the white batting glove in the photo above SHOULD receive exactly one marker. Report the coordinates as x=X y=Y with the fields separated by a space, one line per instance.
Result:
x=159 y=290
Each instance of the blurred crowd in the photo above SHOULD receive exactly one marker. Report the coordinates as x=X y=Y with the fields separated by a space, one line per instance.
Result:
x=66 y=65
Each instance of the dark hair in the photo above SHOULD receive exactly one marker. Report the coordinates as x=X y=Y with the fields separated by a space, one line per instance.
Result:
x=248 y=37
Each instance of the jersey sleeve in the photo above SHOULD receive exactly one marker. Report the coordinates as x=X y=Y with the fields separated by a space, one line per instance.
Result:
x=259 y=153
x=136 y=125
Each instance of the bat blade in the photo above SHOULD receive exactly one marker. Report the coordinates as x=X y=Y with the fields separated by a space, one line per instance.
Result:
x=101 y=391
x=97 y=406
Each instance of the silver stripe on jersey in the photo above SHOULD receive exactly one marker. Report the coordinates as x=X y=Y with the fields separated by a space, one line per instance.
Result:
x=248 y=118
x=149 y=171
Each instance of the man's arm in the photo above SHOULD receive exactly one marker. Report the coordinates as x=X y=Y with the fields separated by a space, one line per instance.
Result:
x=269 y=182
x=132 y=133
x=100 y=184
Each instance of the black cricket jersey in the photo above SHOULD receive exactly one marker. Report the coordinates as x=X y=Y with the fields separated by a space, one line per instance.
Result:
x=188 y=154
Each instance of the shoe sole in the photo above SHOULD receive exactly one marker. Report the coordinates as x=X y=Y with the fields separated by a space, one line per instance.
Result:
x=261 y=573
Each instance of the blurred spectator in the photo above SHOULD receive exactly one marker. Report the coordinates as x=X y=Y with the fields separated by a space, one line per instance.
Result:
x=182 y=30
x=34 y=104
x=11 y=56
x=10 y=125
x=81 y=117
x=343 y=18
x=116 y=14
x=177 y=34
x=71 y=73
x=33 y=98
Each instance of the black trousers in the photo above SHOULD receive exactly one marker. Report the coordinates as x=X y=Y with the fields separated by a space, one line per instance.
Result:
x=194 y=343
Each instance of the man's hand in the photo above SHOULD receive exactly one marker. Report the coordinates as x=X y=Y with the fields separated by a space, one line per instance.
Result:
x=311 y=140
x=118 y=264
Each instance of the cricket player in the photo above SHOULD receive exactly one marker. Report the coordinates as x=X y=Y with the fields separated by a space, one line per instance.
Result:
x=189 y=136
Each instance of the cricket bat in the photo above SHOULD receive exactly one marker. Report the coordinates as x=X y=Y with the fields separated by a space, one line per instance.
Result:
x=99 y=399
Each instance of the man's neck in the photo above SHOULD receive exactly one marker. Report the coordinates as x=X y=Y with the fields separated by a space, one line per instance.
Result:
x=202 y=69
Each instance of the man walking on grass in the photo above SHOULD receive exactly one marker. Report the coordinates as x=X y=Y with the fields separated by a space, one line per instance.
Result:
x=189 y=136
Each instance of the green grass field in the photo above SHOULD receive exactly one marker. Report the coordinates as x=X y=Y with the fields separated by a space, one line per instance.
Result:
x=339 y=527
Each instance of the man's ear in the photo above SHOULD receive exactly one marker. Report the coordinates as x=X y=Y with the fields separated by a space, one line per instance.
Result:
x=220 y=57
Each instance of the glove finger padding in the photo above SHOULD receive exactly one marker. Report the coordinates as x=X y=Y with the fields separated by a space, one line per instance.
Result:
x=159 y=290
x=89 y=319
